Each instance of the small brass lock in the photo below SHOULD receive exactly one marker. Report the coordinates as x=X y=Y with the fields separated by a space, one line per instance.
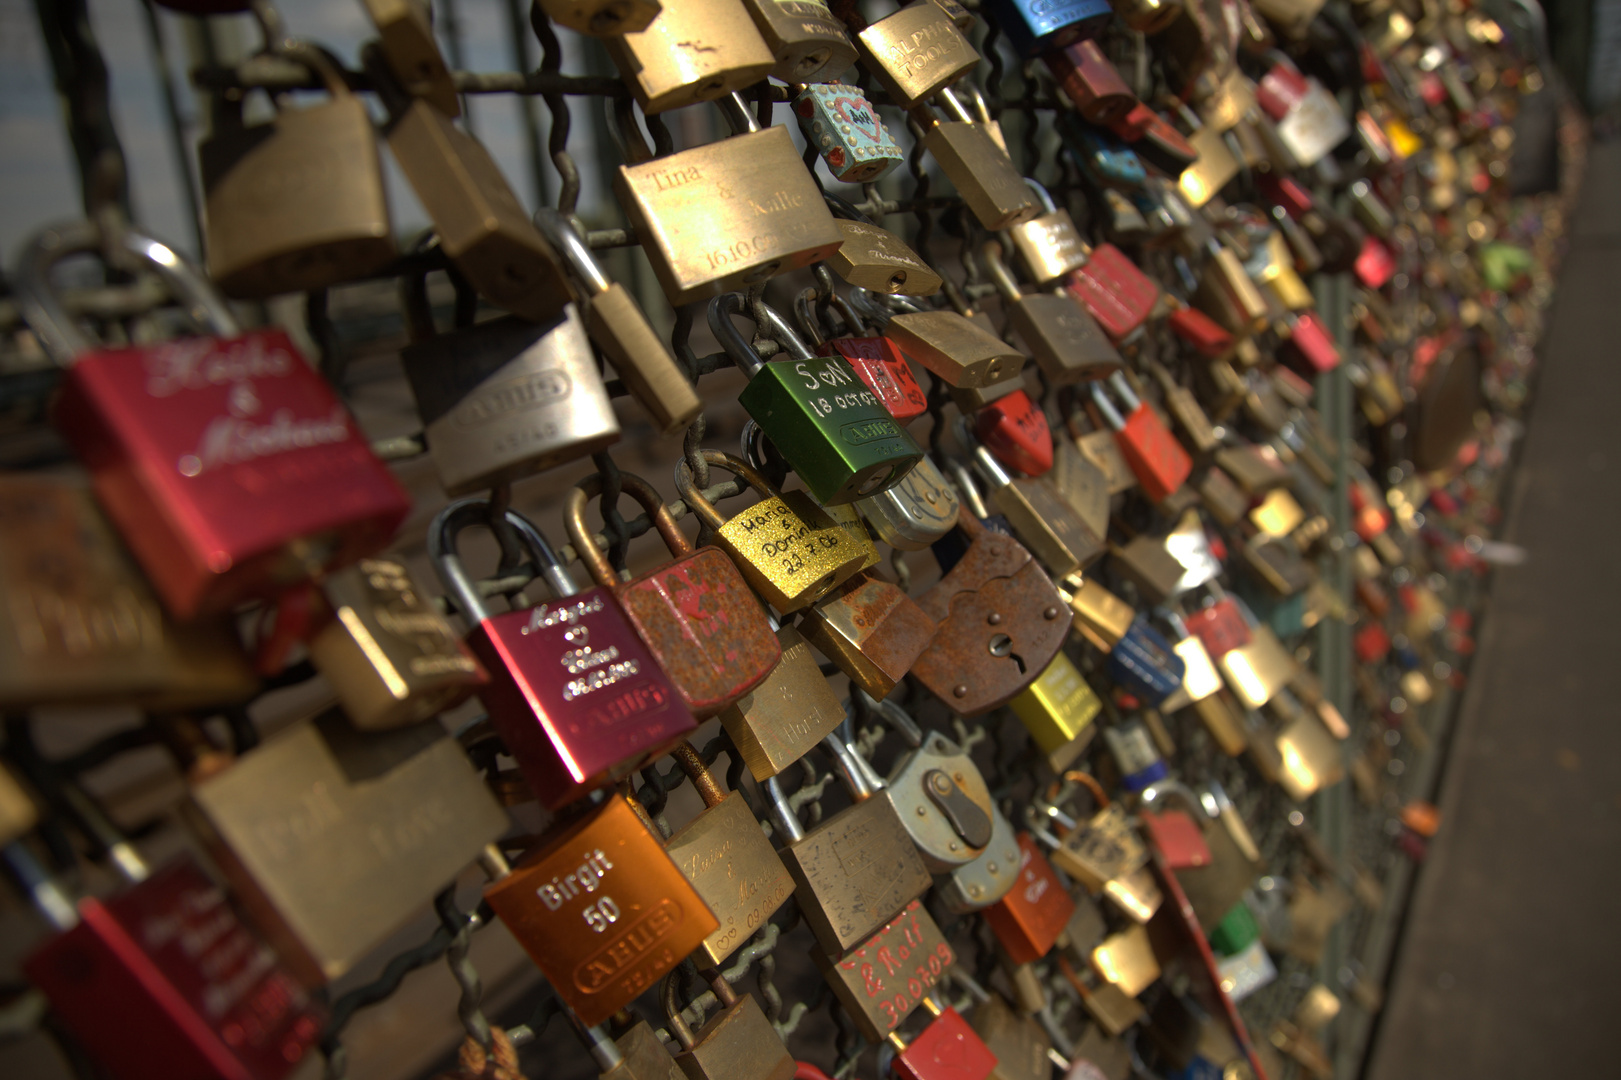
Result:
x=780 y=720
x=915 y=53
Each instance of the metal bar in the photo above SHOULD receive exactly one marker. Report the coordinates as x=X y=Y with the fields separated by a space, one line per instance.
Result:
x=178 y=143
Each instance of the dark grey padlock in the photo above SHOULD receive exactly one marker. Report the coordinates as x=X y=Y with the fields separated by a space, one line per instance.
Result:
x=506 y=398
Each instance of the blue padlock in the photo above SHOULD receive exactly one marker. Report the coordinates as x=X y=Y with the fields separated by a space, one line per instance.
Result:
x=1033 y=27
x=1106 y=161
x=1144 y=664
x=1133 y=750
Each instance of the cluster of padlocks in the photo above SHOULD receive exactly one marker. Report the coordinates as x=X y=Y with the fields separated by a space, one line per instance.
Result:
x=1037 y=538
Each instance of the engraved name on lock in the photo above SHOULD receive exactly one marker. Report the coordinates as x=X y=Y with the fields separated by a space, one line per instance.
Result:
x=915 y=53
x=595 y=669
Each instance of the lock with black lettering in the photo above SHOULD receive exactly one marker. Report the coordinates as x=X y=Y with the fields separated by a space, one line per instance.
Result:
x=833 y=431
x=506 y=398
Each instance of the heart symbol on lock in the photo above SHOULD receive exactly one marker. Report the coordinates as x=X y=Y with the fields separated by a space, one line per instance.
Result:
x=859 y=105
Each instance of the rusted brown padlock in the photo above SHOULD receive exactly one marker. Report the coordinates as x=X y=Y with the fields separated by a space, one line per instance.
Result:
x=1001 y=623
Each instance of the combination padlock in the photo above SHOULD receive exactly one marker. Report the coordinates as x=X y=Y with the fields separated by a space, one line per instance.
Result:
x=855 y=871
x=1000 y=623
x=790 y=553
x=227 y=463
x=834 y=433
x=574 y=692
x=506 y=398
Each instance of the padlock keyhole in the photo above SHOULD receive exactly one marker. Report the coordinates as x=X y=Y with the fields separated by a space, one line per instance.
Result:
x=1001 y=645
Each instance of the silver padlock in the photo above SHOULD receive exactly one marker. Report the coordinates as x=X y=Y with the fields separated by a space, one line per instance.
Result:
x=942 y=800
x=915 y=512
x=506 y=398
x=991 y=875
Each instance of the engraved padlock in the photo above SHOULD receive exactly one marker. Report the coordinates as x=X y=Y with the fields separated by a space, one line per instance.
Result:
x=689 y=53
x=951 y=346
x=574 y=693
x=298 y=203
x=696 y=614
x=506 y=398
x=1028 y=920
x=915 y=53
x=833 y=431
x=1118 y=294
x=876 y=259
x=1033 y=27
x=774 y=222
x=915 y=512
x=1050 y=245
x=602 y=18
x=227 y=463
x=1058 y=709
x=847 y=131
x=391 y=658
x=784 y=717
x=1062 y=336
x=972 y=159
x=617 y=323
x=1001 y=622
x=883 y=980
x=737 y=1041
x=807 y=41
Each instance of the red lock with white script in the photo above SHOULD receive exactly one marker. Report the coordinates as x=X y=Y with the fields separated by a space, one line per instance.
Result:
x=1158 y=461
x=1030 y=917
x=879 y=364
x=227 y=462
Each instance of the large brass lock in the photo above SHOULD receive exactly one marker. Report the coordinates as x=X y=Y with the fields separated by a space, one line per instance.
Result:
x=977 y=164
x=1067 y=343
x=915 y=53
x=666 y=67
x=1001 y=623
x=871 y=629
x=405 y=32
x=807 y=41
x=696 y=614
x=780 y=720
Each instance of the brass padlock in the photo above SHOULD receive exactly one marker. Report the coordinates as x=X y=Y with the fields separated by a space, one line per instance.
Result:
x=876 y=259
x=729 y=861
x=1185 y=408
x=790 y=559
x=1215 y=166
x=772 y=218
x=1227 y=294
x=636 y=1055
x=481 y=225
x=691 y=52
x=1260 y=669
x=602 y=18
x=1101 y=617
x=332 y=838
x=915 y=512
x=1081 y=484
x=952 y=347
x=856 y=870
x=1235 y=860
x=298 y=203
x=405 y=28
x=807 y=42
x=1050 y=245
x=872 y=630
x=1019 y=1042
x=1102 y=449
x=916 y=52
x=616 y=322
x=81 y=623
x=977 y=165
x=1046 y=524
x=390 y=657
x=736 y=1042
x=778 y=722
x=1062 y=336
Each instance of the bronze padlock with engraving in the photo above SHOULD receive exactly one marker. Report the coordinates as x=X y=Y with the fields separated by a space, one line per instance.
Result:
x=696 y=50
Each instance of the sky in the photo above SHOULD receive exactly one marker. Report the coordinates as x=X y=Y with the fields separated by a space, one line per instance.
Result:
x=38 y=179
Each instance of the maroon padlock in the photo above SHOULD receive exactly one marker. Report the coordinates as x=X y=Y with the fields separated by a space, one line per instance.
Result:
x=1087 y=77
x=879 y=364
x=574 y=692
x=1118 y=295
x=696 y=614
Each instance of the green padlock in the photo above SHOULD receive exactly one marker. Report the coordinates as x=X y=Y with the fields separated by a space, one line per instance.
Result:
x=825 y=422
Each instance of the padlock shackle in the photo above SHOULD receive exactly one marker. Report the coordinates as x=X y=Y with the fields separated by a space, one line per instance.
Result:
x=695 y=500
x=781 y=813
x=1111 y=415
x=1090 y=783
x=50 y=899
x=603 y=1050
x=1044 y=196
x=561 y=235
x=672 y=1012
x=954 y=106
x=1160 y=790
x=1001 y=276
x=845 y=209
x=971 y=501
x=805 y=315
x=585 y=544
x=447 y=526
x=844 y=764
x=739 y=117
x=721 y=310
x=702 y=779
x=316 y=59
x=995 y=475
x=42 y=309
x=870 y=777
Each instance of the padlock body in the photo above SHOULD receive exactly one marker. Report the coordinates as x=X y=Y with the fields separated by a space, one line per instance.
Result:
x=939 y=792
x=1375 y=263
x=1082 y=485
x=738 y=1041
x=665 y=71
x=1178 y=838
x=229 y=466
x=1019 y=1042
x=989 y=877
x=1047 y=525
x=1034 y=26
x=1156 y=458
x=509 y=398
x=948 y=1049
x=81 y=624
x=984 y=176
x=412 y=53
x=784 y=717
x=1144 y=663
x=884 y=979
x=602 y=18
x=1065 y=340
x=853 y=873
x=1118 y=295
x=576 y=694
x=601 y=910
x=1015 y=429
x=872 y=630
x=1050 y=245
x=707 y=631
x=834 y=432
x=1311 y=346
x=774 y=220
x=1058 y=707
x=732 y=866
x=1087 y=78
x=877 y=259
x=807 y=43
x=296 y=204
x=847 y=131
x=1219 y=626
x=163 y=981
x=915 y=512
x=1029 y=918
x=332 y=839
x=616 y=322
x=885 y=372
x=1213 y=167
x=390 y=657
x=954 y=348
x=915 y=53
x=1314 y=126
x=1105 y=848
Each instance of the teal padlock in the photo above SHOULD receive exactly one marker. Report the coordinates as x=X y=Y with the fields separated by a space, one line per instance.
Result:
x=832 y=430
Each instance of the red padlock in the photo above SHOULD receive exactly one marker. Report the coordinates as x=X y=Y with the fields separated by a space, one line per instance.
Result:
x=1176 y=834
x=1118 y=295
x=164 y=981
x=1287 y=193
x=1208 y=338
x=948 y=1049
x=1031 y=916
x=227 y=463
x=1156 y=458
x=1375 y=263
x=1087 y=77
x=1220 y=627
x=1281 y=89
x=881 y=366
x=1015 y=429
x=1371 y=643
x=1134 y=123
x=574 y=693
x=1309 y=346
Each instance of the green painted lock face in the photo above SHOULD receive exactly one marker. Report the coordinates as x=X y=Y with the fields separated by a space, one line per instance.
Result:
x=835 y=433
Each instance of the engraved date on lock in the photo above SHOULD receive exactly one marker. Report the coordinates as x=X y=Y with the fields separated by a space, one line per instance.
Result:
x=899 y=964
